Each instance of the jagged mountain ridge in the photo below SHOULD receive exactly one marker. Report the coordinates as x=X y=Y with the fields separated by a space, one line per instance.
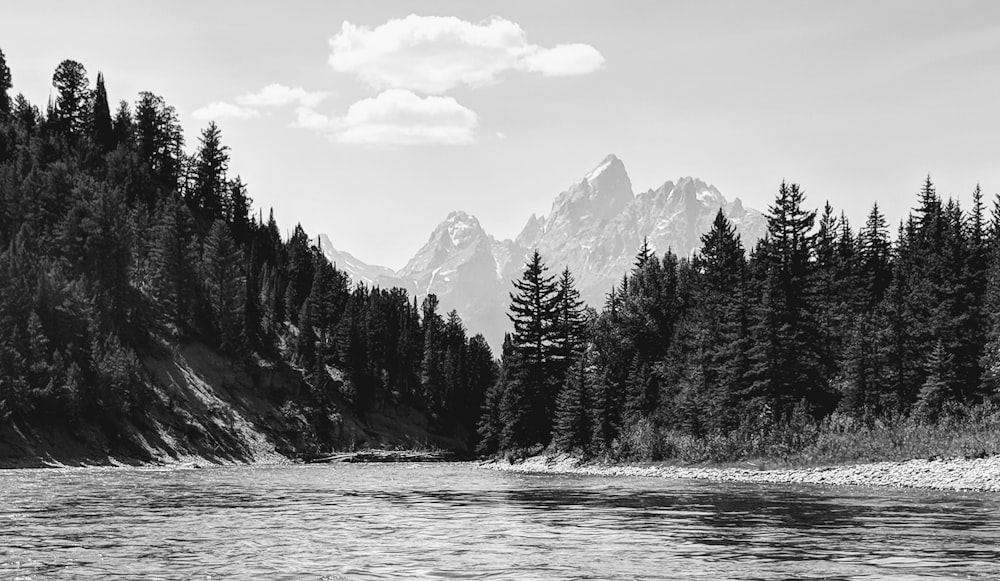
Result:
x=595 y=227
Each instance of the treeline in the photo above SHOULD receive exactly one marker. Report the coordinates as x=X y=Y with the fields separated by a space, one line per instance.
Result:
x=818 y=321
x=115 y=244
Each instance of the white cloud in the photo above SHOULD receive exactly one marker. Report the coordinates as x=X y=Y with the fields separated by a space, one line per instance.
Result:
x=397 y=117
x=219 y=110
x=564 y=59
x=309 y=119
x=433 y=54
x=277 y=95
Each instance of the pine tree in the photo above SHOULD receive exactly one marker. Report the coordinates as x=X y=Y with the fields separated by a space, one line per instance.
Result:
x=238 y=205
x=907 y=332
x=493 y=417
x=298 y=272
x=167 y=256
x=937 y=387
x=875 y=271
x=159 y=139
x=571 y=322
x=481 y=373
x=490 y=426
x=102 y=130
x=123 y=124
x=722 y=319
x=788 y=351
x=990 y=360
x=432 y=328
x=640 y=392
x=645 y=254
x=534 y=313
x=208 y=189
x=73 y=98
x=864 y=373
x=225 y=284
x=976 y=280
x=573 y=430
x=108 y=258
x=5 y=85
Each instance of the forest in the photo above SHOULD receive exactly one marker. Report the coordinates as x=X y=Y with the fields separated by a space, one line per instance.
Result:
x=116 y=246
x=820 y=336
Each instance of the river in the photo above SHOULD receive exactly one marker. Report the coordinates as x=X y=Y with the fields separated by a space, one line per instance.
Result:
x=452 y=521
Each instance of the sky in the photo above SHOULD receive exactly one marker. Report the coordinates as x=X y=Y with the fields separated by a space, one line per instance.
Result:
x=371 y=121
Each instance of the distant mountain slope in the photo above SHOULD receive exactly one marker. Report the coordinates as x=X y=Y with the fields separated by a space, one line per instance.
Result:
x=359 y=270
x=595 y=227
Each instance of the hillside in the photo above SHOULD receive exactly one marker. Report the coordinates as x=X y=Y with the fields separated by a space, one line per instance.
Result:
x=147 y=314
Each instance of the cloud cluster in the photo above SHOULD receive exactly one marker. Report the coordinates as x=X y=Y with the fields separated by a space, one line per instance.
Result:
x=396 y=117
x=220 y=109
x=249 y=105
x=275 y=95
x=412 y=62
x=435 y=54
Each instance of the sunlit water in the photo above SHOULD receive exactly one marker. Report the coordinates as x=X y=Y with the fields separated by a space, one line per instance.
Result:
x=408 y=521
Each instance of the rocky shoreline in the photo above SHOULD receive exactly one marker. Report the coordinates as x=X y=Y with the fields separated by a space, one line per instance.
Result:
x=981 y=474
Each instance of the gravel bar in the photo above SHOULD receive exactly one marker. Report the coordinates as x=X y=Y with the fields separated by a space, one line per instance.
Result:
x=981 y=474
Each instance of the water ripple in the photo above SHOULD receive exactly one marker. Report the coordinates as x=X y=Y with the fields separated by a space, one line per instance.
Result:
x=450 y=521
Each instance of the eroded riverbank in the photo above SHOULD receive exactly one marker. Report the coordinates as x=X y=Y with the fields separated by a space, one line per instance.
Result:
x=981 y=474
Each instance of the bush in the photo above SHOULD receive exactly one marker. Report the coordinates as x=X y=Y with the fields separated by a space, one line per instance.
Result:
x=972 y=432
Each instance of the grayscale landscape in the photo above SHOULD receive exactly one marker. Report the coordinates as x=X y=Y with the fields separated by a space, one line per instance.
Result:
x=554 y=290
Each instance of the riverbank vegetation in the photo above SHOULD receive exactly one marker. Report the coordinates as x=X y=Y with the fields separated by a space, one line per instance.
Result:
x=118 y=249
x=822 y=343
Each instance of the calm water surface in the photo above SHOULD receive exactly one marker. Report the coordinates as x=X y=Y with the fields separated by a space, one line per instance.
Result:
x=453 y=521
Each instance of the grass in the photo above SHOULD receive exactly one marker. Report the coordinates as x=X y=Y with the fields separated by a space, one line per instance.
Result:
x=838 y=439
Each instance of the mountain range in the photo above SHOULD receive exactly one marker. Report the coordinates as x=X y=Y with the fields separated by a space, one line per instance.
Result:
x=595 y=227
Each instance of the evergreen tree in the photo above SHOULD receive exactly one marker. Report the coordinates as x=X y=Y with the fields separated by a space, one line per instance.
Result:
x=102 y=130
x=73 y=98
x=168 y=256
x=224 y=284
x=123 y=124
x=722 y=317
x=108 y=258
x=570 y=328
x=238 y=205
x=298 y=273
x=875 y=271
x=641 y=397
x=159 y=139
x=787 y=356
x=937 y=387
x=573 y=430
x=534 y=313
x=481 y=374
x=5 y=85
x=208 y=190
x=431 y=373
x=990 y=360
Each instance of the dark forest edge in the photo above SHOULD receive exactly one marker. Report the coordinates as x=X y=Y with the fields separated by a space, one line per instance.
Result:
x=824 y=345
x=148 y=313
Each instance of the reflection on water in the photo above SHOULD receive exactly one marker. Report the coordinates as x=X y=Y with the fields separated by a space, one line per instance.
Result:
x=452 y=521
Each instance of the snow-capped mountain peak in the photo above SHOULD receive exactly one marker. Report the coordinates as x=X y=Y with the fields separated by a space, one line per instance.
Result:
x=595 y=228
x=357 y=269
x=600 y=196
x=461 y=228
x=606 y=164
